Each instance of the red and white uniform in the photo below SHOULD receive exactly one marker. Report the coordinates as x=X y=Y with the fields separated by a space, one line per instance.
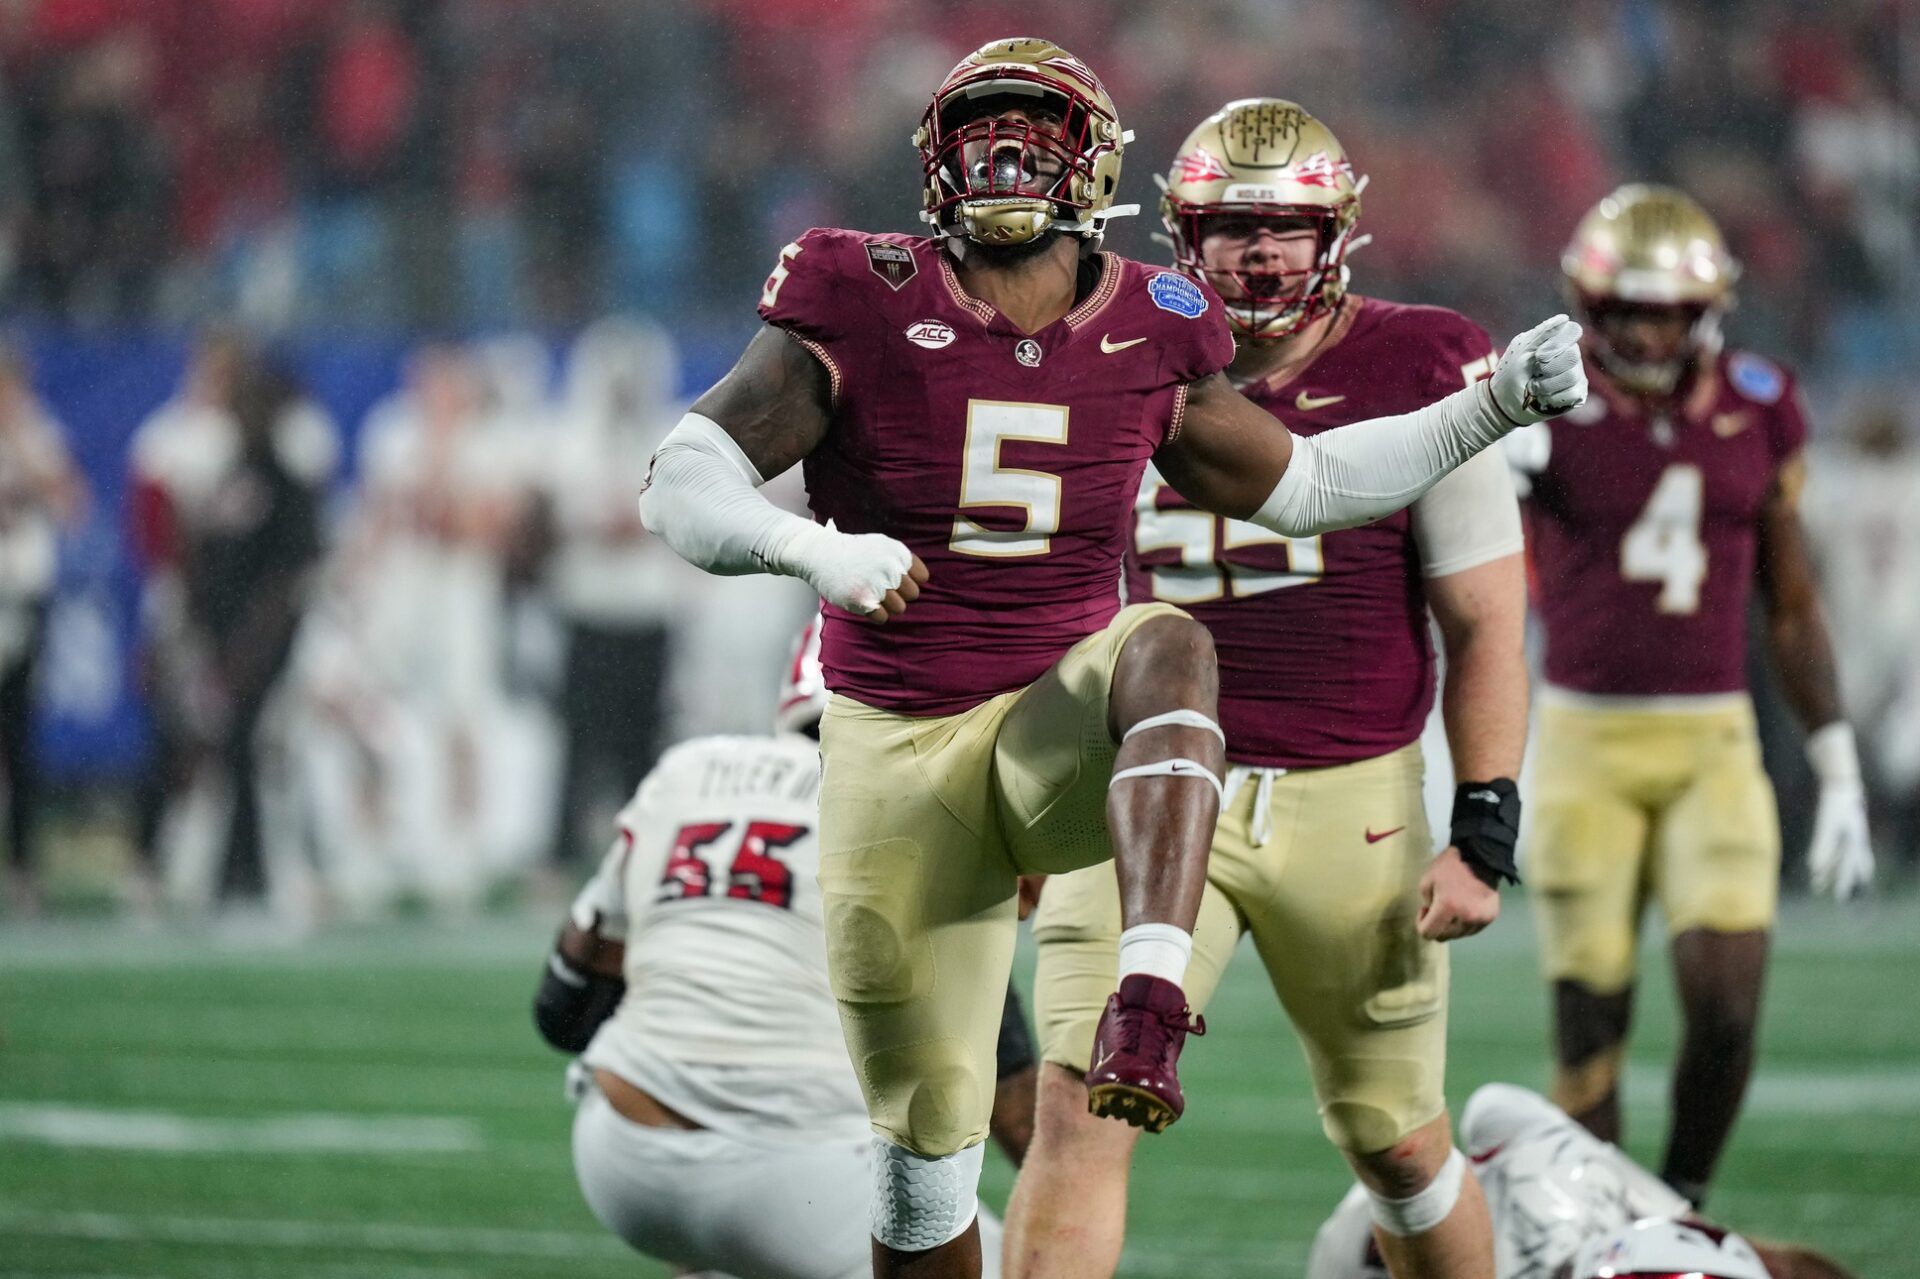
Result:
x=1006 y=461
x=1550 y=1185
x=711 y=883
x=729 y=1021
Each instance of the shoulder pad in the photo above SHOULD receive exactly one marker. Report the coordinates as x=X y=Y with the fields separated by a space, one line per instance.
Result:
x=1756 y=378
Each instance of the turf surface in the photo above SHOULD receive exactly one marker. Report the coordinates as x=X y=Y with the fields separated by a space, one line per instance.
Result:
x=375 y=1103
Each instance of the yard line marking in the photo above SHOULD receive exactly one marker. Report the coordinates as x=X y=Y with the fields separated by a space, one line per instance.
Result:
x=375 y=1236
x=1798 y=1092
x=167 y=1132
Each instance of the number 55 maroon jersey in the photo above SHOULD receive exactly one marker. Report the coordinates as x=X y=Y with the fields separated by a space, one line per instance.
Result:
x=1007 y=461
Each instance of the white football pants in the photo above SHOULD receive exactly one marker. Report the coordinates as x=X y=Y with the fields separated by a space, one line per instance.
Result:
x=751 y=1210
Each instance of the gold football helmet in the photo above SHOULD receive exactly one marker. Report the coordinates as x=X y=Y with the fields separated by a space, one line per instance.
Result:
x=1265 y=158
x=1020 y=137
x=1649 y=251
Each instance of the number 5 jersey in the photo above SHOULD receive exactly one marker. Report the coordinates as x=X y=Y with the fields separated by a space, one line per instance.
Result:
x=711 y=883
x=1007 y=461
x=1644 y=526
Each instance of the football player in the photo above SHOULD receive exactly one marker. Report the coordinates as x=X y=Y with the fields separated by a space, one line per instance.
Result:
x=974 y=411
x=1565 y=1203
x=1654 y=512
x=720 y=1126
x=1326 y=678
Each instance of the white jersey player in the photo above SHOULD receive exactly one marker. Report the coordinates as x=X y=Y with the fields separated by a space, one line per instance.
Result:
x=720 y=1125
x=1566 y=1205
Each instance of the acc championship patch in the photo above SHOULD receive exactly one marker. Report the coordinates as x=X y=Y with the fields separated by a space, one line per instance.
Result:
x=1759 y=380
x=1178 y=294
x=892 y=263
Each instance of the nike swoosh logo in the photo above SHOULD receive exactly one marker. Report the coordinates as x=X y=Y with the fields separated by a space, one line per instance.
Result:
x=1308 y=403
x=1374 y=839
x=1108 y=346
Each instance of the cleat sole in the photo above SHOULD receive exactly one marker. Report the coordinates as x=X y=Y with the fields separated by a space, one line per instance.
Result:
x=1134 y=1106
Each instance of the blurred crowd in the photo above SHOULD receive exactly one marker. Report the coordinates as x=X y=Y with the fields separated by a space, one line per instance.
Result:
x=486 y=162
x=425 y=654
x=431 y=684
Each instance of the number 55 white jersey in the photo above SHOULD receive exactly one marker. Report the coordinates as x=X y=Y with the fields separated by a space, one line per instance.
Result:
x=711 y=882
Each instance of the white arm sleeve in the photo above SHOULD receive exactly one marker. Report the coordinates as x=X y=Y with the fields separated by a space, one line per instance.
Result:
x=700 y=499
x=1357 y=473
x=1469 y=518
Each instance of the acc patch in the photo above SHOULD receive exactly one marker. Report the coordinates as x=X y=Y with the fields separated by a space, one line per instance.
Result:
x=932 y=334
x=1178 y=294
x=1761 y=381
x=892 y=264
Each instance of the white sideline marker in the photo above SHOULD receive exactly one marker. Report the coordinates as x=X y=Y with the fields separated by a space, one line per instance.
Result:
x=165 y=1132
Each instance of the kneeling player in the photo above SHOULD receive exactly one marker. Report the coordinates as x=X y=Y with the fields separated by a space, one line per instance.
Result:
x=720 y=1125
x=1326 y=677
x=1561 y=1197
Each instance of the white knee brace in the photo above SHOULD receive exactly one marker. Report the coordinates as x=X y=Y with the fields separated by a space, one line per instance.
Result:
x=921 y=1203
x=1179 y=766
x=1417 y=1214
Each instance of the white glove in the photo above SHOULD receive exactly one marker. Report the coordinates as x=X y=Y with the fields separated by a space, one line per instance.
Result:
x=852 y=571
x=1840 y=858
x=1541 y=375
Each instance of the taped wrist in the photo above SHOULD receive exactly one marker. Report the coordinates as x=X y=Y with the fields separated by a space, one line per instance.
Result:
x=1486 y=829
x=572 y=1003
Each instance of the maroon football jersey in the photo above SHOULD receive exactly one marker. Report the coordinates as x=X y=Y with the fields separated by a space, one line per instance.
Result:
x=1324 y=657
x=1643 y=529
x=1007 y=461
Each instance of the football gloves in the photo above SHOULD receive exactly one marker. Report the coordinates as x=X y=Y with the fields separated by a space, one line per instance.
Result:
x=1840 y=858
x=1541 y=375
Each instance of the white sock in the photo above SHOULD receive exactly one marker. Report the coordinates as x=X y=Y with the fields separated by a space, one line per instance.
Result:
x=1157 y=950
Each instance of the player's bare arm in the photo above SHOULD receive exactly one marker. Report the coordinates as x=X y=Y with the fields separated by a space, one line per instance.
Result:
x=1841 y=856
x=1481 y=612
x=1235 y=459
x=767 y=414
x=776 y=402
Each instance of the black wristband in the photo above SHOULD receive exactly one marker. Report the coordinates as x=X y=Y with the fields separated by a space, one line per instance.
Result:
x=1486 y=829
x=571 y=1003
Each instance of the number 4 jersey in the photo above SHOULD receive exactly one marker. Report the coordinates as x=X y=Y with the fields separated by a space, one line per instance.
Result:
x=728 y=1018
x=1007 y=461
x=1644 y=527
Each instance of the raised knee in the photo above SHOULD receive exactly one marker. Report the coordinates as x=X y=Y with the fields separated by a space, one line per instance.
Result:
x=1172 y=642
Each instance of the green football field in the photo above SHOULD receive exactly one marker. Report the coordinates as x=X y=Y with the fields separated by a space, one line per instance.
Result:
x=375 y=1103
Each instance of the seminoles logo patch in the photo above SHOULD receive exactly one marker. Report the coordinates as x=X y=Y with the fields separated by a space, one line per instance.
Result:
x=892 y=263
x=1027 y=351
x=932 y=334
x=1200 y=165
x=1178 y=294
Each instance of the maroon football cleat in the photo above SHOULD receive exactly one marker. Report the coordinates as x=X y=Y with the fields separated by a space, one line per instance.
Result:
x=1136 y=1053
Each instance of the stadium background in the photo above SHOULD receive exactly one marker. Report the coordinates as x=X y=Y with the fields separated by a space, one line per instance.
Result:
x=566 y=212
